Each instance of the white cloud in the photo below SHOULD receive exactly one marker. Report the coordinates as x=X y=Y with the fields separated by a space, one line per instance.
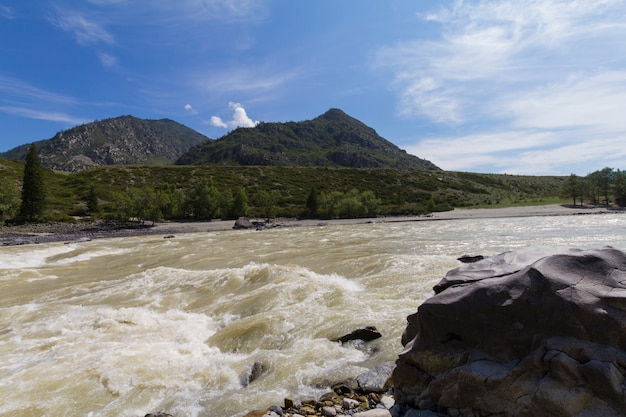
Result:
x=240 y=118
x=241 y=80
x=543 y=81
x=16 y=89
x=86 y=32
x=107 y=60
x=51 y=116
x=190 y=109
x=218 y=122
x=491 y=46
x=597 y=101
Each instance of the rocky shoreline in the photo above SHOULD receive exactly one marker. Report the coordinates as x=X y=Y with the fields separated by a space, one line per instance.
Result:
x=31 y=234
x=367 y=395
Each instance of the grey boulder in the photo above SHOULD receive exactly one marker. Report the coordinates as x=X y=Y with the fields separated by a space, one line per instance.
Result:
x=521 y=334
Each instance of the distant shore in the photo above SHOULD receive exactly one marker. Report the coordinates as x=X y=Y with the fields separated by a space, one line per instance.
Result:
x=60 y=232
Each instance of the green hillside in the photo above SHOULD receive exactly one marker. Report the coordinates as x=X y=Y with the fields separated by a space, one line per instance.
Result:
x=396 y=191
x=333 y=139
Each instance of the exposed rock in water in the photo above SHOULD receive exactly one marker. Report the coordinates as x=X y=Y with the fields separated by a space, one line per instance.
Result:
x=470 y=259
x=521 y=334
x=243 y=223
x=251 y=374
x=365 y=334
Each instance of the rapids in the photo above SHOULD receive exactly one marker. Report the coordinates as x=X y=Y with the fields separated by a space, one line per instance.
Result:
x=128 y=326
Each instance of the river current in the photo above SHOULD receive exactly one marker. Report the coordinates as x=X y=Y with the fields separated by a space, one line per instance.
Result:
x=128 y=326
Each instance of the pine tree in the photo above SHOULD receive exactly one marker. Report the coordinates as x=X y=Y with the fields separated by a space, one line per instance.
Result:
x=312 y=202
x=33 y=190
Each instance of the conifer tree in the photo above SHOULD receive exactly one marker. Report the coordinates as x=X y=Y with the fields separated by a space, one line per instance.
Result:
x=33 y=190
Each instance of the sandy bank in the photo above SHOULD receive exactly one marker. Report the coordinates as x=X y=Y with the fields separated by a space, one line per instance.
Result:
x=10 y=236
x=456 y=214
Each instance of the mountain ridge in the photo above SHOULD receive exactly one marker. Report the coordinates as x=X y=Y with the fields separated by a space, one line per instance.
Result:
x=333 y=139
x=122 y=140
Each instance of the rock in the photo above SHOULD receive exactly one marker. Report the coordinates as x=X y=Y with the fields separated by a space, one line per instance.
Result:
x=329 y=411
x=470 y=259
x=289 y=403
x=243 y=223
x=345 y=387
x=366 y=334
x=158 y=415
x=349 y=404
x=276 y=409
x=251 y=374
x=376 y=412
x=521 y=334
x=377 y=379
x=422 y=413
x=387 y=401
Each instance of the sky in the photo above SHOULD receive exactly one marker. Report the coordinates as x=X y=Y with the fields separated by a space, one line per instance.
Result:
x=530 y=87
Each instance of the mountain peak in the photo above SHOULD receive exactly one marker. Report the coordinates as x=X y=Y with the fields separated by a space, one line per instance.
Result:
x=335 y=114
x=123 y=140
x=333 y=139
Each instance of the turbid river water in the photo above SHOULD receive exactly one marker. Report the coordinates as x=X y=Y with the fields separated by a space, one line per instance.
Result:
x=128 y=326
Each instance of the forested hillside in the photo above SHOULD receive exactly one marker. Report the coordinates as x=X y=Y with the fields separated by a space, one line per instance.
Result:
x=333 y=139
x=206 y=192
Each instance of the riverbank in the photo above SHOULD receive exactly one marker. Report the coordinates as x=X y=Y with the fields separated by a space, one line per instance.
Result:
x=66 y=232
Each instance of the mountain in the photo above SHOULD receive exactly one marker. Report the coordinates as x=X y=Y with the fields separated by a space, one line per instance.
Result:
x=333 y=139
x=118 y=141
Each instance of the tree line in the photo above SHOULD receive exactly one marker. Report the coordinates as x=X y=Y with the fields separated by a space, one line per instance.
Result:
x=606 y=187
x=199 y=201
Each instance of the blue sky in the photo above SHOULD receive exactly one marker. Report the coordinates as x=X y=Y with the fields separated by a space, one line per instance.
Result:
x=512 y=86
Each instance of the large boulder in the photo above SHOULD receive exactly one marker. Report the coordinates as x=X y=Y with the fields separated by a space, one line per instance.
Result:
x=521 y=334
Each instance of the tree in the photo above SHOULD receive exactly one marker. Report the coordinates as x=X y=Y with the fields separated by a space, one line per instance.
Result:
x=601 y=180
x=33 y=190
x=204 y=200
x=619 y=184
x=266 y=202
x=574 y=188
x=239 y=205
x=312 y=202
x=93 y=207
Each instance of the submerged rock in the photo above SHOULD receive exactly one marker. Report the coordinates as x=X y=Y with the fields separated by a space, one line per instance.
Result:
x=519 y=334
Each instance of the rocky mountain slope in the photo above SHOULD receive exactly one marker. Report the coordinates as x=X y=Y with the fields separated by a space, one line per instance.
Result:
x=333 y=139
x=117 y=141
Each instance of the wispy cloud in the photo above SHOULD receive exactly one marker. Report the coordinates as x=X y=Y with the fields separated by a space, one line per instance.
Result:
x=517 y=71
x=228 y=11
x=7 y=12
x=22 y=99
x=490 y=45
x=107 y=60
x=85 y=31
x=241 y=80
x=240 y=118
x=15 y=89
x=51 y=116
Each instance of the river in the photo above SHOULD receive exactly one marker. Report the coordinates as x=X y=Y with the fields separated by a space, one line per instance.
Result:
x=128 y=326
